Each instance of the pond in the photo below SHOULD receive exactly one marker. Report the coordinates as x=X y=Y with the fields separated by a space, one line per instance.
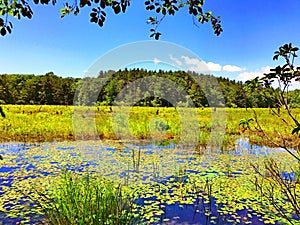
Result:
x=231 y=199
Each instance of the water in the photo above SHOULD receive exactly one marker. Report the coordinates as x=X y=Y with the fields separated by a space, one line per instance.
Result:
x=109 y=160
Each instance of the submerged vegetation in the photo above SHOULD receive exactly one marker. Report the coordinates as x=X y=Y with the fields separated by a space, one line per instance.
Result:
x=151 y=185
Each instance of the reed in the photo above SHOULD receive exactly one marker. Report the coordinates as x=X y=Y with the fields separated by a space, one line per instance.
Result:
x=82 y=199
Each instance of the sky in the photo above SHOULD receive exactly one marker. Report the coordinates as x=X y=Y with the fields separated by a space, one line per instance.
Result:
x=71 y=46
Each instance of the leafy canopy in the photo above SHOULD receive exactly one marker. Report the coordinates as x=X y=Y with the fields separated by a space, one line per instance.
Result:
x=160 y=8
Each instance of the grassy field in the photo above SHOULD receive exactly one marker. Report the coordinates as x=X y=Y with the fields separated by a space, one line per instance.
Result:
x=27 y=123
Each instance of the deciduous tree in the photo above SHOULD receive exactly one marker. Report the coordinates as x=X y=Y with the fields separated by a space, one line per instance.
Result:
x=161 y=8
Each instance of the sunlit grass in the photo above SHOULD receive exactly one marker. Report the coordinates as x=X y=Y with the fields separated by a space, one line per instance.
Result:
x=48 y=123
x=81 y=199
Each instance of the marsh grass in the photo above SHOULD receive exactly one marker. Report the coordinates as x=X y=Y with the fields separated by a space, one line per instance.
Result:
x=30 y=123
x=82 y=199
x=33 y=123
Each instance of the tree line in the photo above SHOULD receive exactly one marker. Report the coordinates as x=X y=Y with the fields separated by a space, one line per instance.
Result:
x=125 y=86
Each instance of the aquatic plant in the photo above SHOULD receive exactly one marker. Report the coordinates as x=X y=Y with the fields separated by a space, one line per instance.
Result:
x=82 y=199
x=150 y=178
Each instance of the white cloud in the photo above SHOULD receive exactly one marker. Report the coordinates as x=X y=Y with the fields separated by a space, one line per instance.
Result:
x=231 y=68
x=191 y=61
x=197 y=65
x=259 y=73
x=294 y=85
x=213 y=66
x=156 y=61
x=248 y=75
x=201 y=66
x=177 y=61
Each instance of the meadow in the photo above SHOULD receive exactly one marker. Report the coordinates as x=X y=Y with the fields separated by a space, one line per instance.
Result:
x=146 y=167
x=28 y=123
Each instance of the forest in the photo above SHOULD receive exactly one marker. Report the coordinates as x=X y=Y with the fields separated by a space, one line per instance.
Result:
x=51 y=89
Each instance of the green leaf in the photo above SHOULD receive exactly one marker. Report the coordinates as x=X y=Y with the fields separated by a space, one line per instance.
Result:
x=296 y=130
x=3 y=31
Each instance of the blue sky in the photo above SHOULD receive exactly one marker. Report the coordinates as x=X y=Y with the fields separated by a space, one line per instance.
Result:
x=253 y=30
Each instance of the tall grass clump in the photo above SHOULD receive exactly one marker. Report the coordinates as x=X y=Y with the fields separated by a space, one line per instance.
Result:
x=85 y=199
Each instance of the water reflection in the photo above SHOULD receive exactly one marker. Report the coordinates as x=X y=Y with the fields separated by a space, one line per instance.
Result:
x=143 y=162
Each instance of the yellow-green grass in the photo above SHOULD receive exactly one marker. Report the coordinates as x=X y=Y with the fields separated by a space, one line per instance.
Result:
x=82 y=199
x=30 y=123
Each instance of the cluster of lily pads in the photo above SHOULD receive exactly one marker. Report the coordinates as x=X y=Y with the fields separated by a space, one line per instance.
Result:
x=146 y=182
